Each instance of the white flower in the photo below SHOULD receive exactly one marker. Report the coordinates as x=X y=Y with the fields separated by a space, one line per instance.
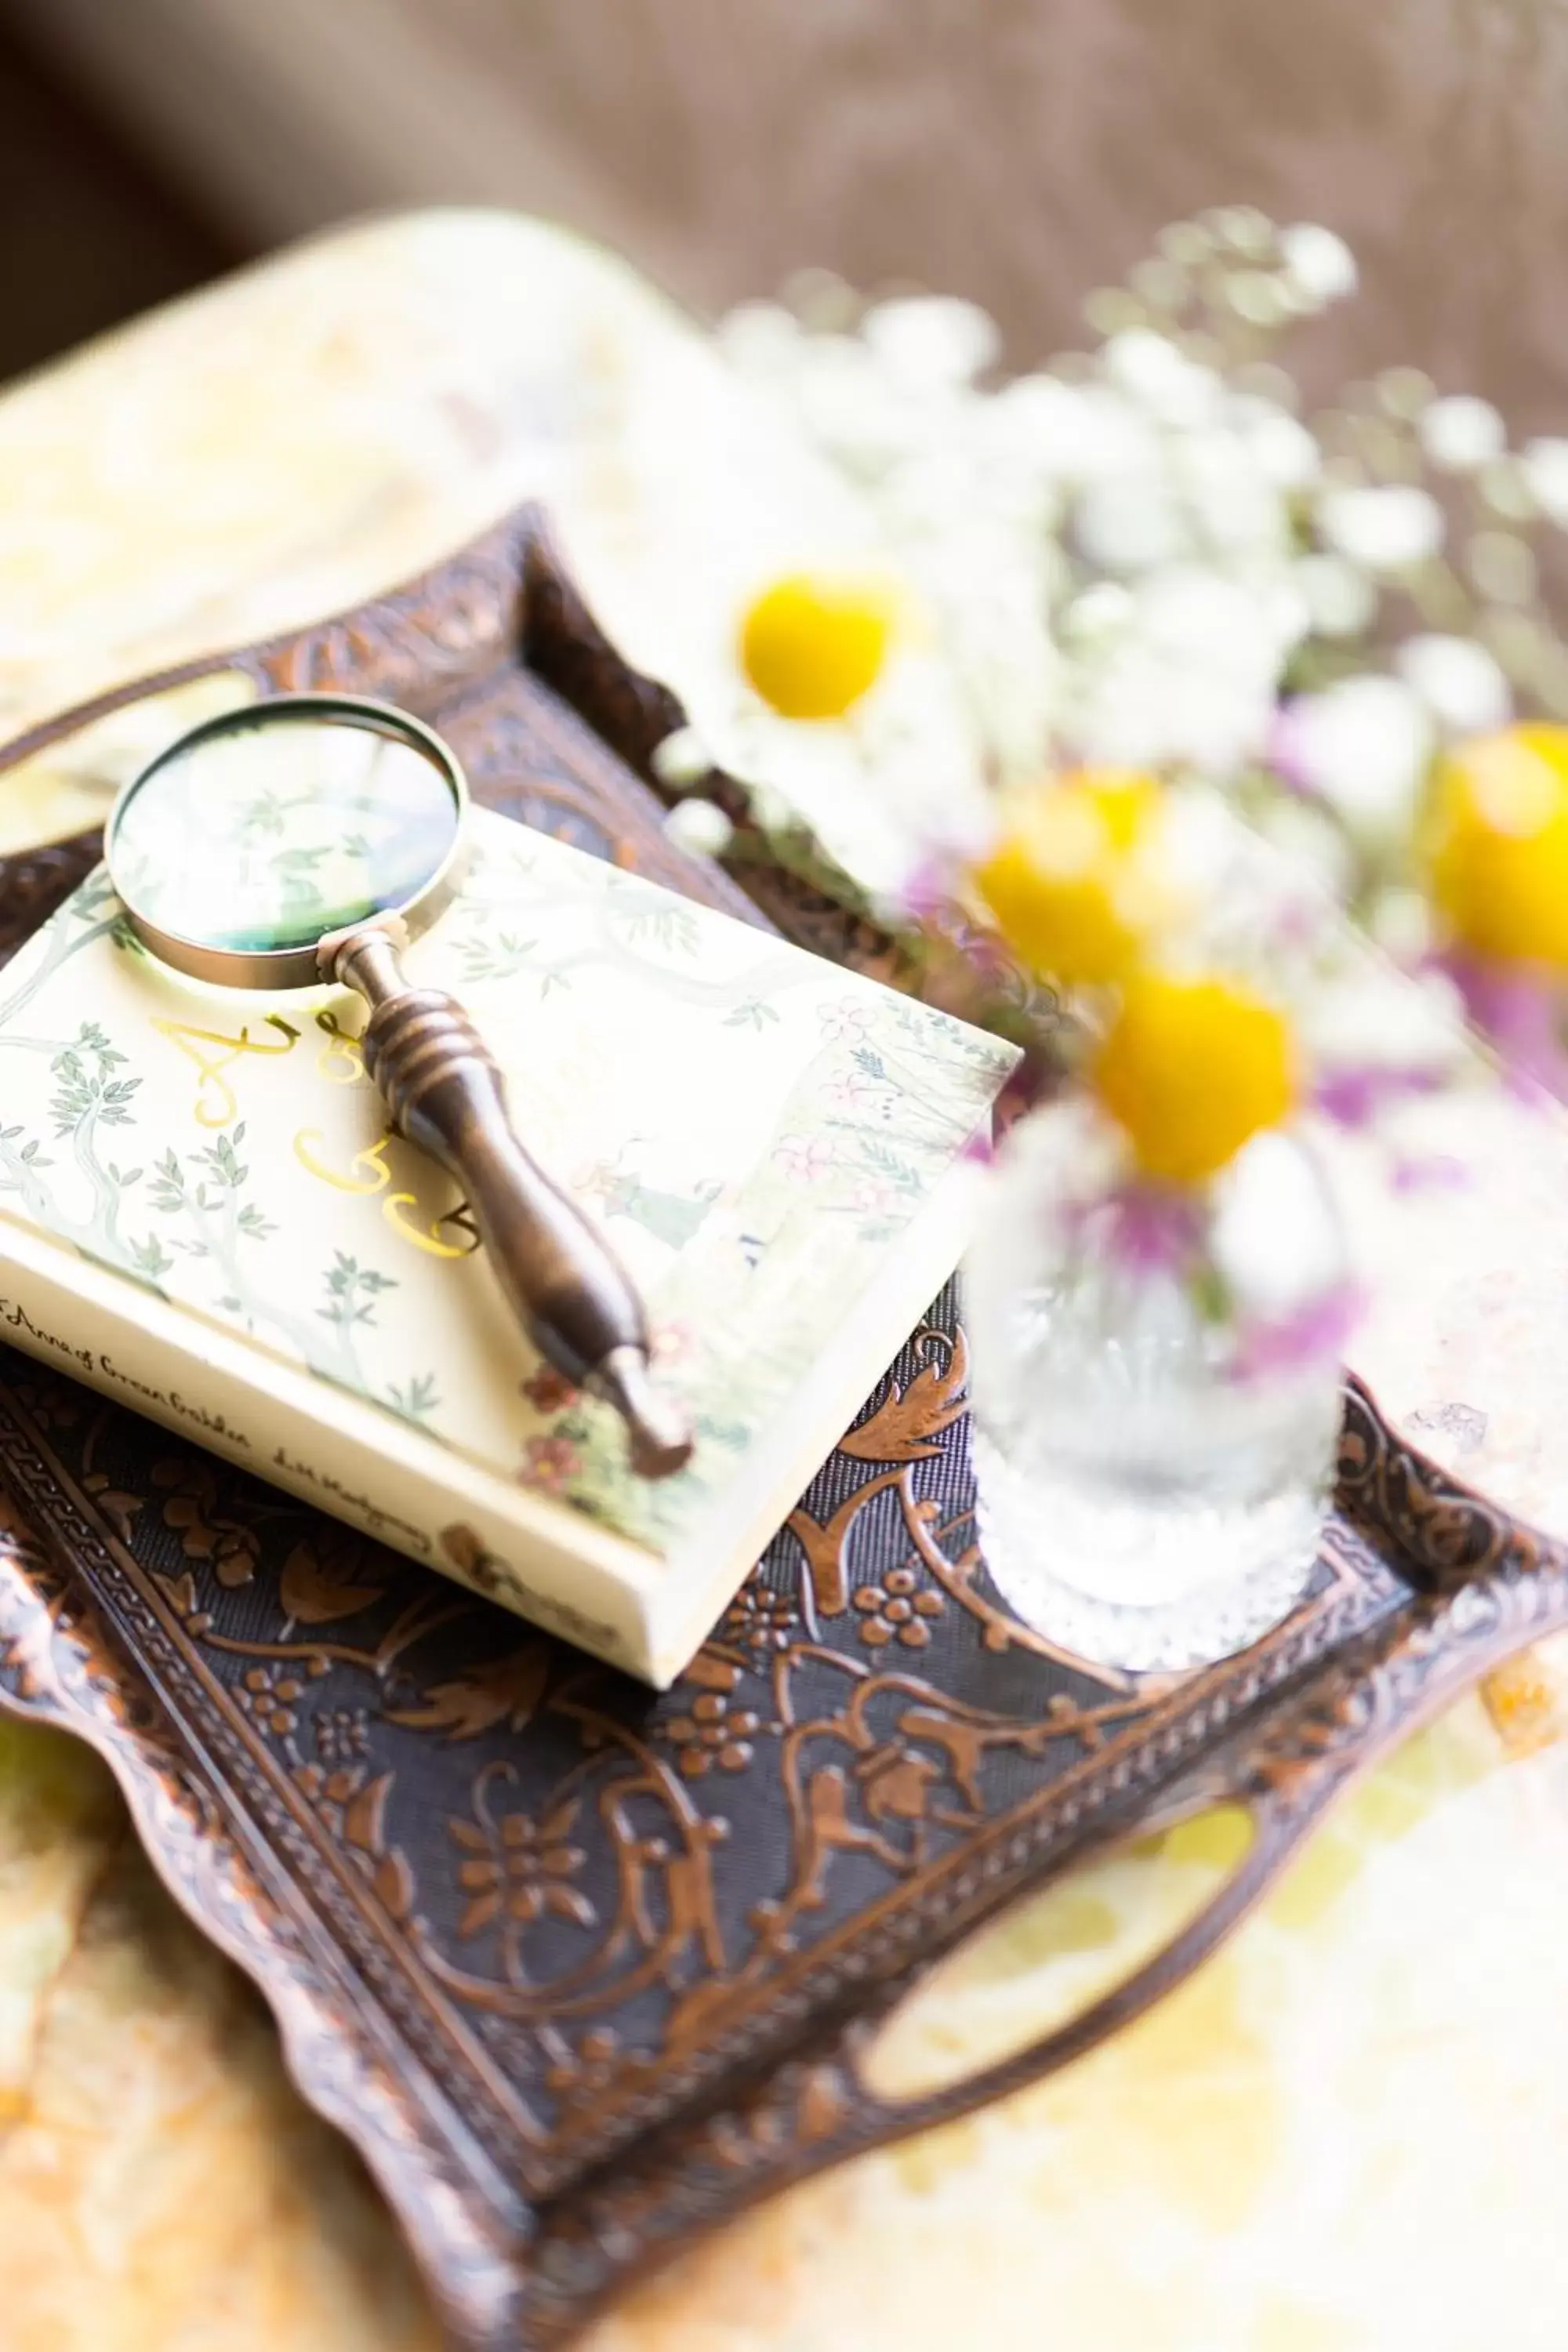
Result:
x=1545 y=468
x=1310 y=839
x=1213 y=623
x=932 y=339
x=1138 y=360
x=1280 y=445
x=1130 y=524
x=1185 y=670
x=1263 y=298
x=699 y=828
x=1340 y=601
x=1026 y=422
x=933 y=492
x=1362 y=747
x=772 y=808
x=1318 y=264
x=1401 y=923
x=761 y=338
x=994 y=632
x=1078 y=433
x=1389 y=528
x=1104 y=611
x=1461 y=684
x=1367 y=1017
x=1461 y=433
x=681 y=759
x=1145 y=707
x=1157 y=376
x=1237 y=509
x=845 y=399
x=1284 y=612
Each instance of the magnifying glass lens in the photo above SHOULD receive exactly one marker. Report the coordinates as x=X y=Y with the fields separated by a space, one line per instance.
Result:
x=247 y=843
x=259 y=852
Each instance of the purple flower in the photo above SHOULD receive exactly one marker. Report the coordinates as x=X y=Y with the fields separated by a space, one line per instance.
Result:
x=1518 y=1009
x=926 y=889
x=1285 y=750
x=1144 y=1227
x=1354 y=1096
x=1432 y=1172
x=1295 y=1342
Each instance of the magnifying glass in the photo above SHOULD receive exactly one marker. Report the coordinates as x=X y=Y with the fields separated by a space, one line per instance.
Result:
x=307 y=839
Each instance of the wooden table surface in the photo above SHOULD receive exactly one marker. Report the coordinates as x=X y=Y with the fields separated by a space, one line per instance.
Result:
x=1344 y=2135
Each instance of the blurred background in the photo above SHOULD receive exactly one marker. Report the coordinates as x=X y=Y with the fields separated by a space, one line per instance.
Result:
x=1018 y=150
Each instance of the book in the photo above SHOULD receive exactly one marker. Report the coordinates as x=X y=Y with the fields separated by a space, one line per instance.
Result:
x=204 y=1215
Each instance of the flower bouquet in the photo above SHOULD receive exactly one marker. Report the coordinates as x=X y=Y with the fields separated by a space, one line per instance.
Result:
x=1225 y=676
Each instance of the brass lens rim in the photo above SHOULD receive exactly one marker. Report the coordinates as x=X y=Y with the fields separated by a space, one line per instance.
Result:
x=296 y=966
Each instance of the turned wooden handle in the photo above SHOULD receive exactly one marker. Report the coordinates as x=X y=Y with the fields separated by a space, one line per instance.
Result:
x=446 y=1094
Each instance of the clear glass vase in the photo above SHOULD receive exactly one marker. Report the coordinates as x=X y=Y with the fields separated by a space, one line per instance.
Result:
x=1156 y=1381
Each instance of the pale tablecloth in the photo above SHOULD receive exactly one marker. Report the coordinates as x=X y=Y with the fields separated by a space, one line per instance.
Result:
x=1345 y=2135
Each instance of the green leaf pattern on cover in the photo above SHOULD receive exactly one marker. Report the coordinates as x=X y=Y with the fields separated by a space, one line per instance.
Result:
x=747 y=1252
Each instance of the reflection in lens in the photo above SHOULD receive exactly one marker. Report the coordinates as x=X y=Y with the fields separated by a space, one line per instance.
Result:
x=268 y=836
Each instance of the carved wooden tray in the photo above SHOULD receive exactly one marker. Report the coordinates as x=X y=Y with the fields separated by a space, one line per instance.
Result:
x=581 y=1970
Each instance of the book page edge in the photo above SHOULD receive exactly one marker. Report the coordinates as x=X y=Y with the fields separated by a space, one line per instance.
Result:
x=597 y=1585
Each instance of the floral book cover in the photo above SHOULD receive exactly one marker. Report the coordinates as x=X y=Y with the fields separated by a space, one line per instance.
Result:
x=204 y=1213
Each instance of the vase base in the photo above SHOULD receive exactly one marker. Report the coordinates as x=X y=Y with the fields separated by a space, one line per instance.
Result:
x=1064 y=1567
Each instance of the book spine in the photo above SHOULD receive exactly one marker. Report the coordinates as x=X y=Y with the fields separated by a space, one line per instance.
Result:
x=390 y=1481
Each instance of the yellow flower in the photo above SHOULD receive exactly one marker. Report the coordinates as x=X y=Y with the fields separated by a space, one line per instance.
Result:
x=814 y=643
x=1190 y=1070
x=1497 y=845
x=1073 y=881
